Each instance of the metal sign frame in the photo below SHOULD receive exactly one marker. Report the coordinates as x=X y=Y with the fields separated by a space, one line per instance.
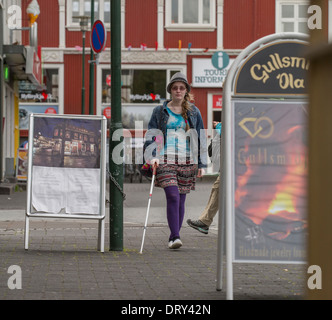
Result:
x=100 y=216
x=226 y=193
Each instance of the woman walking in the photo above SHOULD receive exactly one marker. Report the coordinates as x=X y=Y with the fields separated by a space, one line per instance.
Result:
x=178 y=160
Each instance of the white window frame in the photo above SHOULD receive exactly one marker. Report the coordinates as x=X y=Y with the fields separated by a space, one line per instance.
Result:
x=296 y=19
x=73 y=24
x=190 y=26
x=61 y=88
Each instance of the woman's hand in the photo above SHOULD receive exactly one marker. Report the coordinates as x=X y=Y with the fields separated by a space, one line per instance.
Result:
x=155 y=161
x=200 y=173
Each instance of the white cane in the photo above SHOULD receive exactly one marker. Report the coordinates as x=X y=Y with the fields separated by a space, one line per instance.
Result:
x=149 y=202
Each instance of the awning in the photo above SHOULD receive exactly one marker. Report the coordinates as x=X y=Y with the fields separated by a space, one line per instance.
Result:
x=15 y=58
x=23 y=62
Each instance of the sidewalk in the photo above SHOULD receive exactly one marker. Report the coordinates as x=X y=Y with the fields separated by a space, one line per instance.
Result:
x=63 y=263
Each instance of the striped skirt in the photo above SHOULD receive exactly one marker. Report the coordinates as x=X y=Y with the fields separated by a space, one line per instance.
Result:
x=173 y=173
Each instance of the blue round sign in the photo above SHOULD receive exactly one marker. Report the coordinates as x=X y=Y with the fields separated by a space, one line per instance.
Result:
x=98 y=36
x=220 y=60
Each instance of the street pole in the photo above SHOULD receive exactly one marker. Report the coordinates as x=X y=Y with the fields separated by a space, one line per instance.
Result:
x=92 y=66
x=83 y=71
x=1 y=94
x=319 y=167
x=116 y=167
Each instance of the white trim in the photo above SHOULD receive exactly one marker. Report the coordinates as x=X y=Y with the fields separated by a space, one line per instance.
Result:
x=61 y=87
x=191 y=27
x=9 y=128
x=220 y=24
x=62 y=23
x=123 y=25
x=160 y=24
x=53 y=55
x=209 y=113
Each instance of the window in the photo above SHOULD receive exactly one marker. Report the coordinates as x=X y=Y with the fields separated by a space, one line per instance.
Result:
x=138 y=86
x=292 y=16
x=142 y=88
x=83 y=7
x=48 y=93
x=198 y=15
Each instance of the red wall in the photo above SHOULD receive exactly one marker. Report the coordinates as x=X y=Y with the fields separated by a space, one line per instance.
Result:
x=246 y=21
x=48 y=23
x=73 y=84
x=75 y=38
x=197 y=39
x=141 y=23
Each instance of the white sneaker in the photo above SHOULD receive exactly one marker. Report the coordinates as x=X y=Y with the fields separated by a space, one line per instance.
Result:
x=176 y=244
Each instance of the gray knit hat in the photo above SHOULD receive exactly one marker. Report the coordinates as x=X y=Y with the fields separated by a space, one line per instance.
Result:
x=178 y=77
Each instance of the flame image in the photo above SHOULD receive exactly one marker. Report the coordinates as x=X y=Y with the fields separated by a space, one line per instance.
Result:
x=33 y=11
x=286 y=203
x=277 y=207
x=283 y=202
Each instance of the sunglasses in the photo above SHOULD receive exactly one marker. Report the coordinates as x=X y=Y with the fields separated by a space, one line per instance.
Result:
x=176 y=88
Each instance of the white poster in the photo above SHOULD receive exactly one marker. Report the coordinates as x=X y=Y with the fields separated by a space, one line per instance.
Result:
x=65 y=190
x=205 y=75
x=66 y=166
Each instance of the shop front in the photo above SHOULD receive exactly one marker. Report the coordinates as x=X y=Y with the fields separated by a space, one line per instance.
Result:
x=45 y=98
x=143 y=87
x=207 y=84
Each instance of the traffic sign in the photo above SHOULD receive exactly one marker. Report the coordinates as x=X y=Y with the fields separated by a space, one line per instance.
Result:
x=220 y=60
x=98 y=36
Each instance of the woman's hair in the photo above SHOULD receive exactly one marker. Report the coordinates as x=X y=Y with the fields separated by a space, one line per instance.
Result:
x=186 y=107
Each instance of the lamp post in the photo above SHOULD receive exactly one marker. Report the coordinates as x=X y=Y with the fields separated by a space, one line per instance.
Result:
x=92 y=70
x=84 y=22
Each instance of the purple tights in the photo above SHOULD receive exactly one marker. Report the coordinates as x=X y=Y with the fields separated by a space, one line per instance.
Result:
x=175 y=210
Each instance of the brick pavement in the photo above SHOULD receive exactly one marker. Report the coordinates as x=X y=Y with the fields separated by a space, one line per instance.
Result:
x=63 y=263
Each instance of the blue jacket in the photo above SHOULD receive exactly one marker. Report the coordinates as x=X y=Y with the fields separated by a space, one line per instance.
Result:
x=159 y=121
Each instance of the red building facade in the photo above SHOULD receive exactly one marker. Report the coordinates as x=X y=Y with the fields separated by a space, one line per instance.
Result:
x=159 y=38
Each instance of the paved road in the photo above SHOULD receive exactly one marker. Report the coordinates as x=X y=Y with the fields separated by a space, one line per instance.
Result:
x=63 y=262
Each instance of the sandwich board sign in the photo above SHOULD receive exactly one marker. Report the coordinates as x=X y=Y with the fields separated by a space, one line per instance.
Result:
x=66 y=169
x=265 y=163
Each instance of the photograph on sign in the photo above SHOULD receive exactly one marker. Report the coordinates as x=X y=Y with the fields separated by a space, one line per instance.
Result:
x=271 y=166
x=66 y=159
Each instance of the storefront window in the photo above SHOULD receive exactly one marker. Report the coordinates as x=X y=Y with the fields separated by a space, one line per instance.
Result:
x=48 y=92
x=38 y=99
x=137 y=86
x=141 y=91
